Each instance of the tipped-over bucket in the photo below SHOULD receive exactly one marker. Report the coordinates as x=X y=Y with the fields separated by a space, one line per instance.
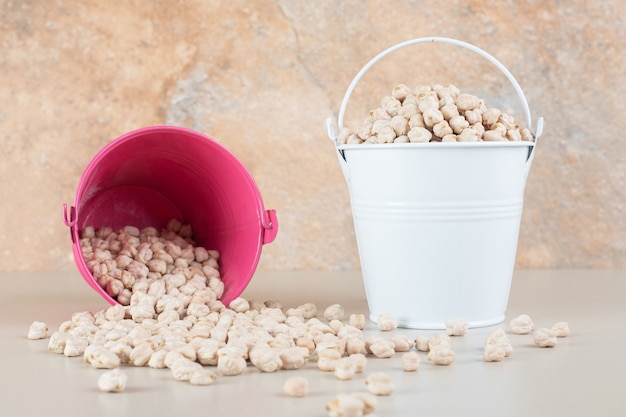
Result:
x=437 y=223
x=151 y=175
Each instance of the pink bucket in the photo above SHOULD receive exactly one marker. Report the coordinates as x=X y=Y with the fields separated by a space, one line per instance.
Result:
x=151 y=175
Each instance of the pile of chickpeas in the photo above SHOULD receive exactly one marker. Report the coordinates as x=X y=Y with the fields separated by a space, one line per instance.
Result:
x=433 y=114
x=170 y=316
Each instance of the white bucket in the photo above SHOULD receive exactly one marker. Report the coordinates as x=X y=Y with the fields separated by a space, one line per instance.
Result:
x=437 y=224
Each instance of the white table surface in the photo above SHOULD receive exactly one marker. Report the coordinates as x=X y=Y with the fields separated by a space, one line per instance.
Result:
x=585 y=375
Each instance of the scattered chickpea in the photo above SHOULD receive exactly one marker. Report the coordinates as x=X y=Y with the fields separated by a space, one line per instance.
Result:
x=383 y=348
x=202 y=377
x=457 y=327
x=294 y=357
x=57 y=341
x=522 y=324
x=113 y=381
x=544 y=337
x=296 y=386
x=334 y=312
x=441 y=356
x=561 y=329
x=38 y=330
x=357 y=320
x=402 y=343
x=386 y=322
x=346 y=405
x=441 y=340
x=497 y=346
x=379 y=383
x=410 y=361
x=345 y=368
x=422 y=343
x=360 y=362
x=327 y=359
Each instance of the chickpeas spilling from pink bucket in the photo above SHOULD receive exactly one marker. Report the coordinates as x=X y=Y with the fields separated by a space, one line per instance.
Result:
x=157 y=262
x=434 y=114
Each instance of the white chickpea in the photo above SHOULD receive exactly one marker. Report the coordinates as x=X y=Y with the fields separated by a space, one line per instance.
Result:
x=157 y=359
x=407 y=110
x=115 y=313
x=400 y=125
x=266 y=359
x=440 y=340
x=457 y=327
x=296 y=386
x=379 y=114
x=561 y=329
x=57 y=341
x=359 y=360
x=383 y=348
x=391 y=105
x=357 y=320
x=458 y=124
x=432 y=116
x=355 y=345
x=473 y=116
x=442 y=129
x=334 y=312
x=449 y=110
x=419 y=134
x=402 y=139
x=544 y=337
x=202 y=377
x=101 y=357
x=526 y=135
x=294 y=357
x=416 y=120
x=113 y=381
x=230 y=364
x=491 y=116
x=75 y=346
x=422 y=343
x=379 y=383
x=427 y=102
x=522 y=324
x=38 y=330
x=345 y=369
x=327 y=359
x=386 y=135
x=492 y=136
x=364 y=131
x=400 y=92
x=468 y=135
x=493 y=353
x=346 y=405
x=402 y=343
x=513 y=135
x=499 y=339
x=141 y=354
x=182 y=368
x=441 y=356
x=467 y=102
x=410 y=361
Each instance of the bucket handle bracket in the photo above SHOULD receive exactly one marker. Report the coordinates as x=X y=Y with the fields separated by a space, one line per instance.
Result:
x=70 y=219
x=270 y=226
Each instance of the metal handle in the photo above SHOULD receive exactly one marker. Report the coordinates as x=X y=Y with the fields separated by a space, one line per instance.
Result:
x=473 y=48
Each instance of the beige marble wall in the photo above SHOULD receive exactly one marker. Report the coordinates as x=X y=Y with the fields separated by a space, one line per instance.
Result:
x=261 y=77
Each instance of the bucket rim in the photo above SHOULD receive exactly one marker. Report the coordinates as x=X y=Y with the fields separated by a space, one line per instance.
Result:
x=427 y=145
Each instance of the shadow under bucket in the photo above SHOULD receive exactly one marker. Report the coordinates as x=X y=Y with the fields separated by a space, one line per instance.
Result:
x=151 y=175
x=437 y=223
